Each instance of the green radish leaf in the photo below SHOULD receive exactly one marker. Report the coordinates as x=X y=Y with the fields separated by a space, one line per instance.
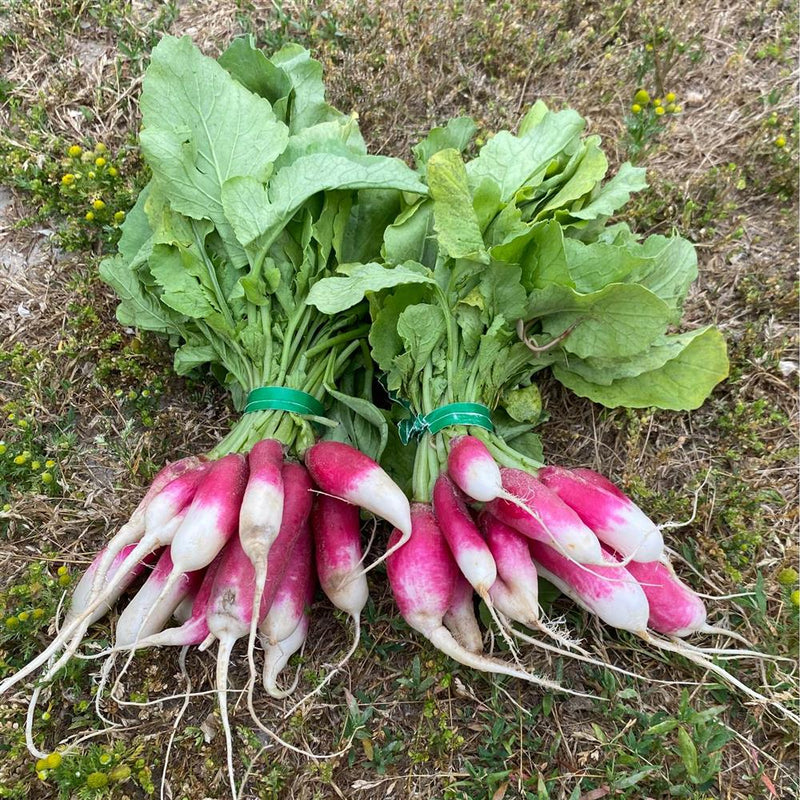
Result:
x=591 y=169
x=457 y=134
x=410 y=237
x=201 y=127
x=617 y=321
x=421 y=327
x=191 y=356
x=454 y=217
x=523 y=405
x=363 y=236
x=248 y=65
x=333 y=295
x=682 y=384
x=612 y=196
x=512 y=161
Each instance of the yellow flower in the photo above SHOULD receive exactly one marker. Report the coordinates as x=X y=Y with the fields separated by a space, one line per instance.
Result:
x=677 y=110
x=49 y=463
x=670 y=97
x=12 y=622
x=780 y=141
x=112 y=171
x=23 y=616
x=6 y=506
x=46 y=716
x=636 y=108
x=641 y=97
x=657 y=101
x=41 y=764
x=53 y=761
x=649 y=48
x=38 y=613
x=105 y=759
x=795 y=597
x=90 y=215
x=35 y=465
x=120 y=773
x=23 y=423
x=98 y=205
x=119 y=216
x=68 y=179
x=3 y=448
x=659 y=110
x=21 y=459
x=62 y=570
x=100 y=162
x=100 y=148
x=63 y=580
x=12 y=416
x=92 y=175
x=670 y=108
x=97 y=780
x=75 y=151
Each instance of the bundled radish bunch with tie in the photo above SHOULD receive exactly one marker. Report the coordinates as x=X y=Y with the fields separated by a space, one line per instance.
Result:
x=279 y=256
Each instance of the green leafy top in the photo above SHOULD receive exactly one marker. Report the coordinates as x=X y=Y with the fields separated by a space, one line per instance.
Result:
x=259 y=189
x=509 y=267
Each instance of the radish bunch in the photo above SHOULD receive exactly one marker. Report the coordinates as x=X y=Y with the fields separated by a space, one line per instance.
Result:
x=237 y=544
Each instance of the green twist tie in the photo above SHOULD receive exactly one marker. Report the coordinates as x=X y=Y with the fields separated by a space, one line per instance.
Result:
x=281 y=398
x=475 y=414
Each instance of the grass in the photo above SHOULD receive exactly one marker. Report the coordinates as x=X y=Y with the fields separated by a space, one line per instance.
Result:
x=103 y=404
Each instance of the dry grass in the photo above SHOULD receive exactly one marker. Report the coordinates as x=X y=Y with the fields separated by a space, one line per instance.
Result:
x=405 y=66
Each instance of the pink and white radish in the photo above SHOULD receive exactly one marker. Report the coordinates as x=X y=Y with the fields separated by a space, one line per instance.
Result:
x=337 y=556
x=624 y=605
x=541 y=515
x=230 y=608
x=195 y=536
x=475 y=472
x=161 y=521
x=460 y=617
x=260 y=520
x=615 y=519
x=346 y=473
x=422 y=575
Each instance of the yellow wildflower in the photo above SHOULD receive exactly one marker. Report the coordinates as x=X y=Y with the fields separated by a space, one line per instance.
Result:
x=49 y=463
x=62 y=570
x=35 y=465
x=112 y=171
x=780 y=141
x=642 y=97
x=659 y=110
x=636 y=108
x=90 y=215
x=98 y=205
x=53 y=761
x=3 y=448
x=68 y=179
x=100 y=162
x=75 y=151
x=119 y=216
x=20 y=459
x=23 y=616
x=92 y=175
x=670 y=97
x=100 y=148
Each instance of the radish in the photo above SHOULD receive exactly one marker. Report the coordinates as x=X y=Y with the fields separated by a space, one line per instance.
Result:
x=230 y=608
x=346 y=473
x=468 y=547
x=195 y=537
x=276 y=657
x=471 y=466
x=543 y=516
x=422 y=575
x=338 y=556
x=82 y=592
x=290 y=596
x=460 y=617
x=260 y=520
x=615 y=518
x=624 y=605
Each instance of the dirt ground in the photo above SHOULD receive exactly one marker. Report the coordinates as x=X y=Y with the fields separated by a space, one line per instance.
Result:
x=102 y=405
